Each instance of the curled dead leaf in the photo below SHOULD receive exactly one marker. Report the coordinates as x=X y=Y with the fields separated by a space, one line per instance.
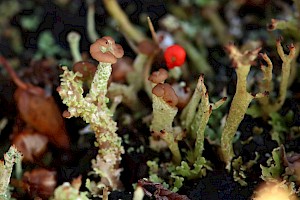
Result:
x=42 y=114
x=38 y=110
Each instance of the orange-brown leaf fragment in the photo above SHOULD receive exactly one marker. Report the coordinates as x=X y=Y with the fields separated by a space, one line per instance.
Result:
x=42 y=114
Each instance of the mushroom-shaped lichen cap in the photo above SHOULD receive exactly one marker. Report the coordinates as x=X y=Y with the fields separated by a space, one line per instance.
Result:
x=166 y=92
x=158 y=76
x=106 y=50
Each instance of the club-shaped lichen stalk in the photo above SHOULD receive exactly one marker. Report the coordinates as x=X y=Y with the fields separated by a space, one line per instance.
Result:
x=73 y=39
x=6 y=167
x=267 y=106
x=164 y=111
x=93 y=109
x=241 y=100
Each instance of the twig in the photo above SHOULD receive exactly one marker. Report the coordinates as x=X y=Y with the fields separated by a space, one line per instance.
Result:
x=13 y=74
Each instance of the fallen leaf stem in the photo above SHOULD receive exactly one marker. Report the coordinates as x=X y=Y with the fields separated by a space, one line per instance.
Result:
x=13 y=74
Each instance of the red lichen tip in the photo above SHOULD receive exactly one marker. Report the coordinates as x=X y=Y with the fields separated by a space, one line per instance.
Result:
x=228 y=48
x=279 y=39
x=264 y=56
x=158 y=76
x=174 y=56
x=166 y=92
x=106 y=50
x=253 y=53
x=261 y=55
x=272 y=26
x=210 y=109
x=291 y=46
x=200 y=81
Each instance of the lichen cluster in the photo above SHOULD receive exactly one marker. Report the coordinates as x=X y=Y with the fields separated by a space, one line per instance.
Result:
x=94 y=110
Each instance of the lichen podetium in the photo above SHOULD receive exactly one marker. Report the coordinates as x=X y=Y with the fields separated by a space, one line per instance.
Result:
x=241 y=100
x=6 y=167
x=93 y=109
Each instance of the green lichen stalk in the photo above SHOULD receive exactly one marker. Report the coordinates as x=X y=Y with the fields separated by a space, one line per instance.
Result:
x=241 y=100
x=204 y=111
x=121 y=18
x=189 y=112
x=10 y=158
x=267 y=106
x=162 y=110
x=91 y=24
x=73 y=39
x=163 y=116
x=195 y=117
x=68 y=191
x=164 y=101
x=93 y=109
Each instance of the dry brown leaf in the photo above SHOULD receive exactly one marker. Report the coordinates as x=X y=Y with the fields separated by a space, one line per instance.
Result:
x=42 y=114
x=38 y=110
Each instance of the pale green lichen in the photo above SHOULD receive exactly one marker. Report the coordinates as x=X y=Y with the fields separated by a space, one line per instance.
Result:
x=176 y=181
x=69 y=191
x=93 y=109
x=154 y=171
x=198 y=169
x=128 y=94
x=163 y=116
x=162 y=124
x=188 y=113
x=73 y=39
x=138 y=193
x=195 y=117
x=162 y=110
x=6 y=167
x=290 y=26
x=91 y=24
x=240 y=168
x=267 y=105
x=242 y=63
x=275 y=168
x=114 y=9
x=281 y=125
